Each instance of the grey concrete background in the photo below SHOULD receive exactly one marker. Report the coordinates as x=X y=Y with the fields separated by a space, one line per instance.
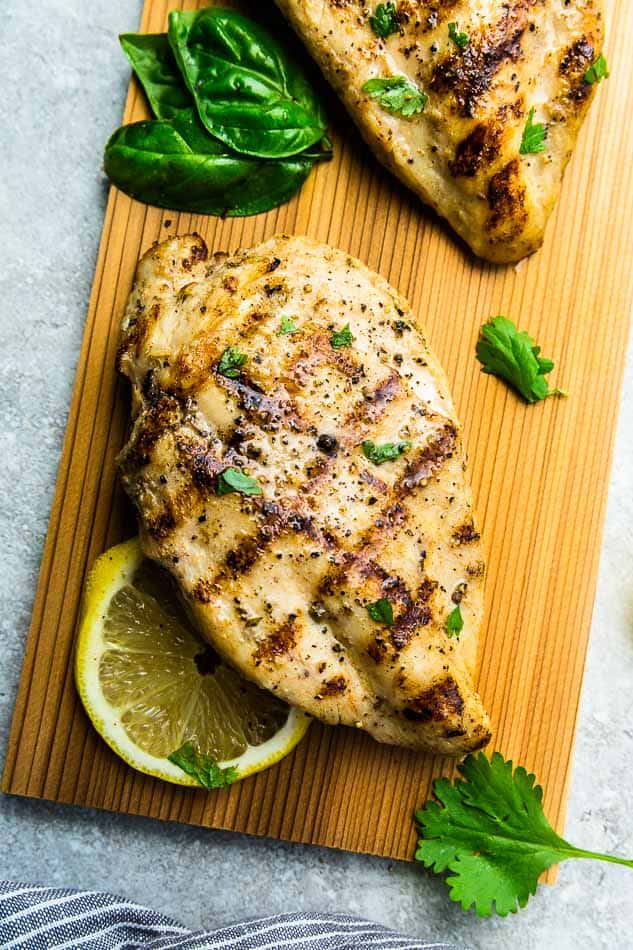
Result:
x=64 y=82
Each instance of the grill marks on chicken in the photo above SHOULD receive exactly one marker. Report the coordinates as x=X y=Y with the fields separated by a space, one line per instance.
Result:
x=280 y=583
x=461 y=154
x=468 y=73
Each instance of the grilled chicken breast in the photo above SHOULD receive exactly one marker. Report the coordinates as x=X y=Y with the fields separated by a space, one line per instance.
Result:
x=282 y=583
x=461 y=155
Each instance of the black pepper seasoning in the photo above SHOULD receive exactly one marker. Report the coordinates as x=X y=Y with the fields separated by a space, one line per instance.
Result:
x=328 y=444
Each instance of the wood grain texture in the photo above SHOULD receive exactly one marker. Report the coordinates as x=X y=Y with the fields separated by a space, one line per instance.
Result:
x=540 y=476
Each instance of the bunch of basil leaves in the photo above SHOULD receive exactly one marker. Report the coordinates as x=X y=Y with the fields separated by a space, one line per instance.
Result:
x=238 y=126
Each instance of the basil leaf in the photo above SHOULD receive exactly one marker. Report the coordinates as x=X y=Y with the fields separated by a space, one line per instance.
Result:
x=233 y=480
x=381 y=611
x=155 y=67
x=178 y=165
x=203 y=768
x=247 y=90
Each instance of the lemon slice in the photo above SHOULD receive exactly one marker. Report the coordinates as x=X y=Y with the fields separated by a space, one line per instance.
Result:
x=153 y=689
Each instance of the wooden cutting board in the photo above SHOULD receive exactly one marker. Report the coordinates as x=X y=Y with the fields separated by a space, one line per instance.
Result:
x=540 y=476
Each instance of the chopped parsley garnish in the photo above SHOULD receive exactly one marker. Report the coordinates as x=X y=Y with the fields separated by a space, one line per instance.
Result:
x=385 y=21
x=598 y=71
x=231 y=361
x=381 y=611
x=459 y=39
x=397 y=94
x=512 y=355
x=455 y=622
x=203 y=768
x=488 y=830
x=233 y=480
x=341 y=338
x=384 y=453
x=287 y=326
x=534 y=135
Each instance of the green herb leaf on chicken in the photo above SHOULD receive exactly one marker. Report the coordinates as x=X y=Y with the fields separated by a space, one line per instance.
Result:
x=233 y=480
x=459 y=39
x=597 y=71
x=381 y=611
x=384 y=21
x=534 y=135
x=387 y=452
x=455 y=622
x=287 y=327
x=231 y=362
x=341 y=338
x=397 y=94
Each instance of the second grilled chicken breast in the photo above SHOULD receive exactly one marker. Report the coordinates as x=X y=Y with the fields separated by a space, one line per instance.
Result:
x=462 y=153
x=297 y=465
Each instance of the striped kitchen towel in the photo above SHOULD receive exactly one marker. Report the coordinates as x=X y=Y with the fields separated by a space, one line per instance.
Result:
x=46 y=918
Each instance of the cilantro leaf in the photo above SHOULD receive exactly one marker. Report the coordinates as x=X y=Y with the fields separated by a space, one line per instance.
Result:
x=459 y=39
x=397 y=94
x=231 y=361
x=511 y=354
x=455 y=622
x=385 y=21
x=598 y=71
x=232 y=480
x=381 y=611
x=490 y=833
x=341 y=338
x=384 y=453
x=203 y=768
x=287 y=326
x=534 y=135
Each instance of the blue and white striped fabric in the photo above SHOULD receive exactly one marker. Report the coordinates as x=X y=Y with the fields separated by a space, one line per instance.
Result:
x=45 y=918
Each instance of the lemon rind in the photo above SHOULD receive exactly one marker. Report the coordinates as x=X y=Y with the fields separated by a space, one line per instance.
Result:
x=110 y=572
